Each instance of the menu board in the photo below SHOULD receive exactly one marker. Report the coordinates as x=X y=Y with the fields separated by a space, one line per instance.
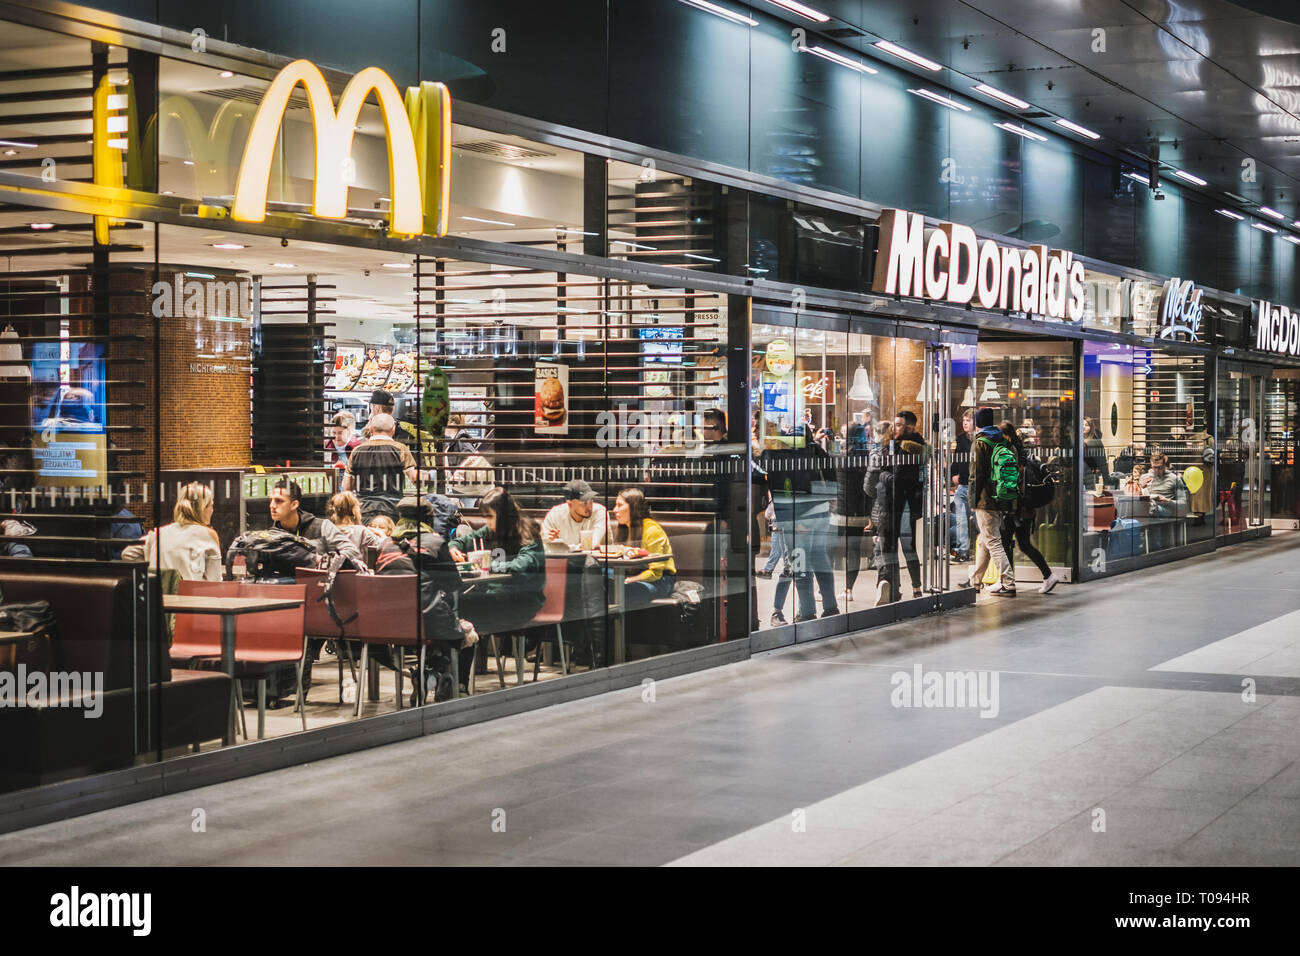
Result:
x=551 y=399
x=359 y=368
x=347 y=367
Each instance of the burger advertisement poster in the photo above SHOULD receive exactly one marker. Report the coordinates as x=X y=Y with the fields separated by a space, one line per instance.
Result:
x=551 y=399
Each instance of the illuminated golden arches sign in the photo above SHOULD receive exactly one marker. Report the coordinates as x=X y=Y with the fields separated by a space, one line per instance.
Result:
x=412 y=199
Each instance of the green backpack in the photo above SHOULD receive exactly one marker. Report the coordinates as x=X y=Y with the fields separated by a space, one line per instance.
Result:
x=1004 y=470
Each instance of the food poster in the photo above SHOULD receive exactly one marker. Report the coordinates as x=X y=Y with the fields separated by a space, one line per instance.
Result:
x=347 y=366
x=551 y=399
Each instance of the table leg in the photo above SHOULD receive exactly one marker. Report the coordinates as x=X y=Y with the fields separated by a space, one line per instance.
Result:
x=372 y=684
x=620 y=608
x=228 y=664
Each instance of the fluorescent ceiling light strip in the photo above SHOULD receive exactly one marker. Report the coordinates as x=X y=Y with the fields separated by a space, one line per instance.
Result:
x=1230 y=214
x=634 y=245
x=1236 y=197
x=799 y=8
x=490 y=222
x=907 y=55
x=1292 y=239
x=200 y=275
x=718 y=11
x=834 y=57
x=10 y=142
x=1264 y=226
x=941 y=100
x=1138 y=177
x=1081 y=130
x=999 y=95
x=691 y=255
x=1021 y=131
x=1183 y=174
x=576 y=232
x=1271 y=212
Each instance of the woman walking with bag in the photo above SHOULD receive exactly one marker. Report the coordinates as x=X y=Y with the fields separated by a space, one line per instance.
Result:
x=1019 y=523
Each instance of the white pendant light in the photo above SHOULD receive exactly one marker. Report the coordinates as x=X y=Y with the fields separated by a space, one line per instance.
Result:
x=990 y=393
x=861 y=390
x=11 y=350
x=968 y=396
x=933 y=390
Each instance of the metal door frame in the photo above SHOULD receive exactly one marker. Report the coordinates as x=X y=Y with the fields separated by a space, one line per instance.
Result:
x=936 y=384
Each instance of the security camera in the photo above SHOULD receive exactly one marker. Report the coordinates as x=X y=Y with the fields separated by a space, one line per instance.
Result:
x=1157 y=195
x=284 y=243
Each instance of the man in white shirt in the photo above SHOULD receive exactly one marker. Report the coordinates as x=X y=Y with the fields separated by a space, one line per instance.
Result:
x=579 y=511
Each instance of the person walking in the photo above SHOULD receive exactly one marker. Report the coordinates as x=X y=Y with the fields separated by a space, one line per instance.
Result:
x=994 y=490
x=1019 y=523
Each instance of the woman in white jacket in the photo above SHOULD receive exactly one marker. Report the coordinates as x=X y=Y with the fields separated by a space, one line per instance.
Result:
x=189 y=540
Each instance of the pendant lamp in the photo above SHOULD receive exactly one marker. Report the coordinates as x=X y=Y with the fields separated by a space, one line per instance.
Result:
x=861 y=390
x=11 y=351
x=990 y=393
x=968 y=396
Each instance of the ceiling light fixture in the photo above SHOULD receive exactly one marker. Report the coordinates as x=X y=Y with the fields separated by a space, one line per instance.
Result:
x=1264 y=226
x=999 y=95
x=1230 y=214
x=10 y=142
x=907 y=55
x=799 y=8
x=1021 y=131
x=834 y=57
x=941 y=100
x=633 y=245
x=397 y=265
x=228 y=245
x=1076 y=128
x=42 y=225
x=283 y=265
x=718 y=11
x=226 y=74
x=490 y=222
x=1138 y=178
x=1271 y=212
x=1195 y=180
x=1292 y=239
x=11 y=152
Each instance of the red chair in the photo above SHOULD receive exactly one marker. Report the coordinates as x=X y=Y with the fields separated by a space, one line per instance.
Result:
x=262 y=641
x=552 y=612
x=388 y=612
x=319 y=623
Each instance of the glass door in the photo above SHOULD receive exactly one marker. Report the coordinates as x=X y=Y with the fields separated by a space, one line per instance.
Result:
x=1255 y=497
x=938 y=428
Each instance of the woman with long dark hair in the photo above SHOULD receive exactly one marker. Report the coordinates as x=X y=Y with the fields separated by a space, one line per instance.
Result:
x=636 y=529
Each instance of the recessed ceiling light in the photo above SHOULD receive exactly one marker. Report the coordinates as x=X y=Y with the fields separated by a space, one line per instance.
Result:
x=1138 y=177
x=999 y=95
x=397 y=265
x=11 y=152
x=1230 y=214
x=1271 y=212
x=42 y=225
x=490 y=222
x=188 y=162
x=941 y=100
x=1081 y=130
x=1265 y=226
x=1021 y=131
x=834 y=57
x=718 y=11
x=284 y=265
x=1183 y=174
x=228 y=245
x=799 y=8
x=226 y=74
x=168 y=192
x=907 y=55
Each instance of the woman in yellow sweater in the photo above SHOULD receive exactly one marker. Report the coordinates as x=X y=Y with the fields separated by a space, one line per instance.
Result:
x=636 y=529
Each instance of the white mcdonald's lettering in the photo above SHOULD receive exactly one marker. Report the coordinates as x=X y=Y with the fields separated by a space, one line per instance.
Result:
x=333 y=135
x=1277 y=329
x=950 y=264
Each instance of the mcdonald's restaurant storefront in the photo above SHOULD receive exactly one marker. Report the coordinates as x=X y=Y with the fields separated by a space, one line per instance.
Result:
x=226 y=281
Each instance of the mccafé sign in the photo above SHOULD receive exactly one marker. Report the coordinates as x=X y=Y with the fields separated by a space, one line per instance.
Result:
x=1277 y=329
x=417 y=128
x=950 y=265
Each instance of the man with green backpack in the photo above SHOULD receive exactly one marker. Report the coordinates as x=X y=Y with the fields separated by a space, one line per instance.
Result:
x=995 y=484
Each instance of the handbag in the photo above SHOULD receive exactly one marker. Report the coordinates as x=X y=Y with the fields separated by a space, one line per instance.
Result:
x=29 y=626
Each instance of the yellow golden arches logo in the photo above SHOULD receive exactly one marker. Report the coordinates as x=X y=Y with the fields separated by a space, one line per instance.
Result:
x=418 y=179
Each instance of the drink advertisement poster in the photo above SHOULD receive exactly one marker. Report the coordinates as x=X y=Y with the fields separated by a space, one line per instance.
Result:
x=551 y=399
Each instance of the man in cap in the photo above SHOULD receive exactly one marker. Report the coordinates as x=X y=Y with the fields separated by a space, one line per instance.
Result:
x=406 y=432
x=564 y=524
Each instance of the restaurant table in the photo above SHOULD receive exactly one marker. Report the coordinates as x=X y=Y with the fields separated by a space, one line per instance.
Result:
x=228 y=608
x=484 y=577
x=620 y=568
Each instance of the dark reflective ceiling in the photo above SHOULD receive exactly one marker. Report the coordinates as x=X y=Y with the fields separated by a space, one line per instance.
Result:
x=1208 y=82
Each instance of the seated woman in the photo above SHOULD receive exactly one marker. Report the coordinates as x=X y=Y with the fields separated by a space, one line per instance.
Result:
x=185 y=545
x=345 y=511
x=498 y=607
x=636 y=529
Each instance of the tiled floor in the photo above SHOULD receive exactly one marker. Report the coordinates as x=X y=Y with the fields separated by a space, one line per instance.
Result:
x=1121 y=733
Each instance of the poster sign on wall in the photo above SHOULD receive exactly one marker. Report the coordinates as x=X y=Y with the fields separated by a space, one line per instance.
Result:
x=551 y=399
x=818 y=388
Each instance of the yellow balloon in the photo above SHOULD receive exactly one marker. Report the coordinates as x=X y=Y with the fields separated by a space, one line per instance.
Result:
x=1193 y=478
